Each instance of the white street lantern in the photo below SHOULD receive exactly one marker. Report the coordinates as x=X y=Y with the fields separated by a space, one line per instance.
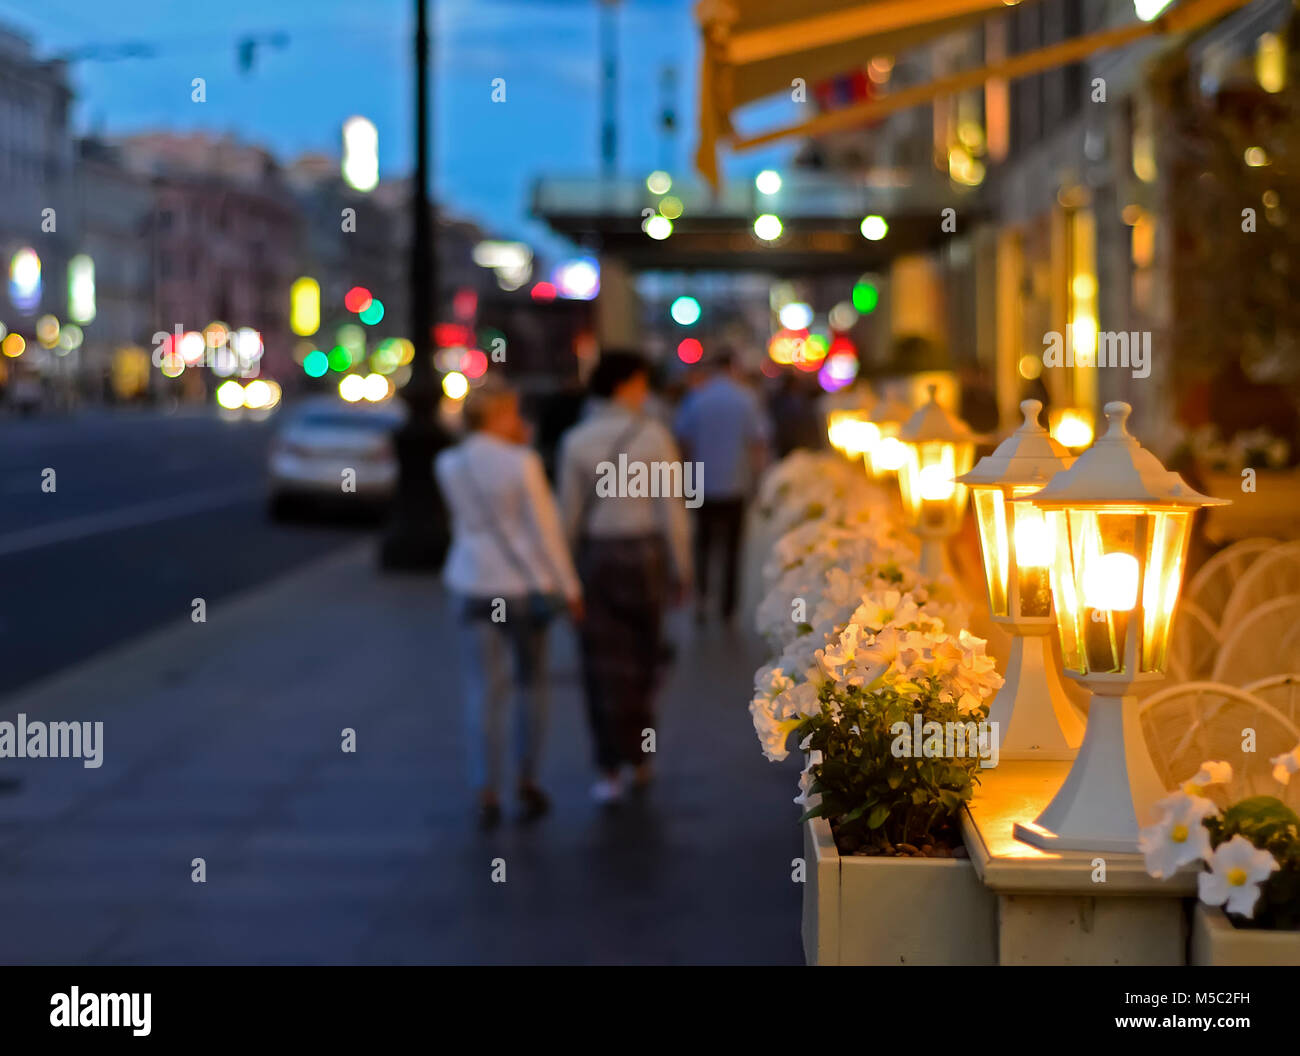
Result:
x=1034 y=717
x=889 y=453
x=939 y=447
x=1120 y=524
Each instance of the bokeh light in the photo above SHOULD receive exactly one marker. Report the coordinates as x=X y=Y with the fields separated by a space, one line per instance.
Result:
x=768 y=227
x=865 y=297
x=874 y=228
x=230 y=395
x=47 y=330
x=474 y=363
x=352 y=387
x=316 y=363
x=843 y=316
x=659 y=182
x=689 y=350
x=455 y=385
x=796 y=316
x=685 y=311
x=357 y=299
x=658 y=227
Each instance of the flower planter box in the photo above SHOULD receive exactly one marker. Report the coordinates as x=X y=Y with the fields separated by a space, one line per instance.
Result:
x=1215 y=940
x=868 y=910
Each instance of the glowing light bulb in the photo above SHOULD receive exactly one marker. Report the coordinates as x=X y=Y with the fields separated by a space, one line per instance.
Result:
x=935 y=483
x=890 y=454
x=1035 y=547
x=1073 y=430
x=1110 y=582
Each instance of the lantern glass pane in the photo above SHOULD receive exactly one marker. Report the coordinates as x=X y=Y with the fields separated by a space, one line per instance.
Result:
x=1167 y=552
x=934 y=501
x=990 y=516
x=908 y=484
x=1069 y=609
x=1035 y=553
x=1096 y=586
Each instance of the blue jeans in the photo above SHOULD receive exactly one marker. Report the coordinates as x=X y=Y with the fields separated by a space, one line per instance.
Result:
x=503 y=663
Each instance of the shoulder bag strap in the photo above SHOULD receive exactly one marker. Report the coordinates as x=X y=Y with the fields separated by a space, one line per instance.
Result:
x=589 y=499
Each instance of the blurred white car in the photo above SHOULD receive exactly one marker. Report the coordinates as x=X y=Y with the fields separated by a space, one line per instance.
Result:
x=320 y=441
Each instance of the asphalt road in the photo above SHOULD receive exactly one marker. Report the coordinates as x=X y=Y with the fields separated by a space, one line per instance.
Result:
x=149 y=511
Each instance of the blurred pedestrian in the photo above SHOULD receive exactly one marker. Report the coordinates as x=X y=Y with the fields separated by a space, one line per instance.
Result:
x=721 y=425
x=510 y=573
x=796 y=421
x=633 y=556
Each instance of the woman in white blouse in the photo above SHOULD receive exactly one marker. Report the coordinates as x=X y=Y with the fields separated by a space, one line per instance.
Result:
x=508 y=570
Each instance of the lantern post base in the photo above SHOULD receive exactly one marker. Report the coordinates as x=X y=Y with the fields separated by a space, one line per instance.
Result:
x=1033 y=716
x=934 y=557
x=1110 y=791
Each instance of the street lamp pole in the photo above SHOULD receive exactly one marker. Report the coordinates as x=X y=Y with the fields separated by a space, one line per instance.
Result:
x=417 y=534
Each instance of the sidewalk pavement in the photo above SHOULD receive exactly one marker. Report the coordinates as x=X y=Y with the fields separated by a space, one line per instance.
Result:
x=222 y=740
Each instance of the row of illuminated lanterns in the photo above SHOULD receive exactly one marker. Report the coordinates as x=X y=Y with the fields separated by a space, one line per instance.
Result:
x=1093 y=545
x=931 y=453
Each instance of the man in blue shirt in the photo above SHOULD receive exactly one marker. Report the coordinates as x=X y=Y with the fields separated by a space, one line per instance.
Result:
x=721 y=426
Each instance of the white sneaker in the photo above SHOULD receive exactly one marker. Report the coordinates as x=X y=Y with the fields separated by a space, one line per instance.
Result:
x=607 y=790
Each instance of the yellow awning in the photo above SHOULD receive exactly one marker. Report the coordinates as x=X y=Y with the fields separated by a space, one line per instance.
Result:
x=753 y=49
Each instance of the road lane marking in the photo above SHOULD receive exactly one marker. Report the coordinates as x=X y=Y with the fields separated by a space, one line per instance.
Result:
x=75 y=528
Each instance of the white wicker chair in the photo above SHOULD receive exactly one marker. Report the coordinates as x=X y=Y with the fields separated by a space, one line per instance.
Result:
x=1186 y=725
x=1281 y=691
x=1272 y=575
x=1266 y=641
x=1193 y=644
x=1212 y=585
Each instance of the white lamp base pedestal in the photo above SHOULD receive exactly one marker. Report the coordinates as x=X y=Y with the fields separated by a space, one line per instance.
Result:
x=1034 y=717
x=1110 y=790
x=934 y=557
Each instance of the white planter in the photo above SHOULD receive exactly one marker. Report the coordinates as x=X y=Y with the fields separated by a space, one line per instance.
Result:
x=1216 y=941
x=869 y=910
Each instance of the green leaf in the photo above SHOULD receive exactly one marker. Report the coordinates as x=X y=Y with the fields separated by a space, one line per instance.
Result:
x=877 y=816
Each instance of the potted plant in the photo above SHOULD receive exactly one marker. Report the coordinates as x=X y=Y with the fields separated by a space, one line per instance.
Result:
x=892 y=715
x=1248 y=909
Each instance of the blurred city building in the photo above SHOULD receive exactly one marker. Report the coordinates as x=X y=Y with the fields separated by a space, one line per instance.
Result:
x=225 y=232
x=37 y=230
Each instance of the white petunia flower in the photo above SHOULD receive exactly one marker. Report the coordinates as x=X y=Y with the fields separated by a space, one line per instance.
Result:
x=1286 y=764
x=1237 y=868
x=1212 y=773
x=1179 y=837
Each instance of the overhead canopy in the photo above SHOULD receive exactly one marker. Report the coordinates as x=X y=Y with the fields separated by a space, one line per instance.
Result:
x=754 y=49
